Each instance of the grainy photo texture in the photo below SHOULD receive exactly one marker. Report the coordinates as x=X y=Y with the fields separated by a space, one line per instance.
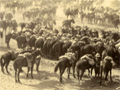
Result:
x=59 y=44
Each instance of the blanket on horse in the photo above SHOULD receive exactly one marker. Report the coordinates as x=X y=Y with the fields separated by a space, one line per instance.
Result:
x=69 y=55
x=89 y=58
x=28 y=57
x=107 y=59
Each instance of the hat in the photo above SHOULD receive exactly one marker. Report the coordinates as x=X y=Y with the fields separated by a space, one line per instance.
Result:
x=97 y=55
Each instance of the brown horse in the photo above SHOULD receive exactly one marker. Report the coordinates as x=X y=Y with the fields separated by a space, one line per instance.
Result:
x=26 y=59
x=106 y=66
x=22 y=60
x=64 y=63
x=5 y=60
x=85 y=62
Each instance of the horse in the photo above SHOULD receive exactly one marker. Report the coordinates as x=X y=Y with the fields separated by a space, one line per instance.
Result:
x=85 y=62
x=111 y=51
x=9 y=36
x=27 y=59
x=5 y=60
x=14 y=25
x=4 y=25
x=2 y=15
x=66 y=62
x=35 y=54
x=8 y=16
x=83 y=15
x=27 y=15
x=106 y=66
x=22 y=60
x=50 y=24
x=115 y=20
x=72 y=12
x=90 y=17
x=68 y=12
x=67 y=23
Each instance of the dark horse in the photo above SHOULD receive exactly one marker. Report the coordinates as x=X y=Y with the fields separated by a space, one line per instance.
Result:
x=64 y=63
x=67 y=23
x=5 y=60
x=2 y=15
x=69 y=12
x=85 y=62
x=82 y=15
x=26 y=60
x=22 y=60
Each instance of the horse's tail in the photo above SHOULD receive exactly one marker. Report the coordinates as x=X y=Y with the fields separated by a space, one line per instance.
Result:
x=1 y=61
x=56 y=67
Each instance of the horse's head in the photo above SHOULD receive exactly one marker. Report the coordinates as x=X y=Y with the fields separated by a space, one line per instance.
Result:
x=13 y=54
x=72 y=20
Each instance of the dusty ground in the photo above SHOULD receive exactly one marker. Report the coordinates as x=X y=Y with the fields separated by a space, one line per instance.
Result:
x=46 y=79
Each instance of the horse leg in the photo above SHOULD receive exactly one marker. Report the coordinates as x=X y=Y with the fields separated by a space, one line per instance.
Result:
x=82 y=72
x=37 y=66
x=2 y=64
x=6 y=66
x=101 y=70
x=28 y=72
x=2 y=67
x=68 y=72
x=106 y=74
x=19 y=75
x=61 y=73
x=15 y=76
x=78 y=72
x=73 y=66
x=32 y=71
x=89 y=72
x=19 y=45
x=111 y=75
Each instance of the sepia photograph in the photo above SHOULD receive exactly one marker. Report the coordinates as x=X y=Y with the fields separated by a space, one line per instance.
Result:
x=59 y=44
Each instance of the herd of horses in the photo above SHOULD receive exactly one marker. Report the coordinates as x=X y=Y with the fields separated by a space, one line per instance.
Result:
x=84 y=43
x=95 y=15
x=91 y=49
